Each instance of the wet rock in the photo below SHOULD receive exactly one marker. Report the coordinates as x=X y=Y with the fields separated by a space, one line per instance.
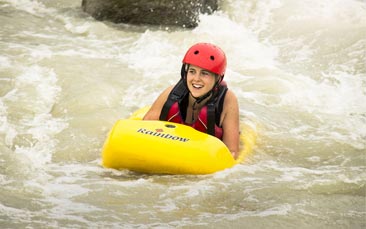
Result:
x=183 y=13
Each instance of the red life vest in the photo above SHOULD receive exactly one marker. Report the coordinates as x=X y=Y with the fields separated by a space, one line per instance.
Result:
x=208 y=120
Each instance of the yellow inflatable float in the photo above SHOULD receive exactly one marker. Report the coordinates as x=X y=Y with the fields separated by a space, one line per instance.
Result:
x=168 y=148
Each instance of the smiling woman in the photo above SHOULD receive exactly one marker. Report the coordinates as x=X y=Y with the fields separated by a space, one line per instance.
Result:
x=65 y=78
x=201 y=99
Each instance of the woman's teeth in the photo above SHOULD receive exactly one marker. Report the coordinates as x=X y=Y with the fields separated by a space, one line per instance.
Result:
x=197 y=86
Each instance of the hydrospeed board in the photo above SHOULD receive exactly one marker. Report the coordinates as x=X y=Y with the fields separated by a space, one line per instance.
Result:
x=168 y=148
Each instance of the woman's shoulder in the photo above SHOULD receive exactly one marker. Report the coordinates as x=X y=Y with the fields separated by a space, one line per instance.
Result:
x=230 y=101
x=230 y=95
x=164 y=95
x=170 y=88
x=155 y=109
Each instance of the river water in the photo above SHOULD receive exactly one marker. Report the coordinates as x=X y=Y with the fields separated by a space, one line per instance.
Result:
x=297 y=67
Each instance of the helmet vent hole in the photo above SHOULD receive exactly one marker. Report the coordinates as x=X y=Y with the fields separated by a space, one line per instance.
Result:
x=212 y=57
x=196 y=52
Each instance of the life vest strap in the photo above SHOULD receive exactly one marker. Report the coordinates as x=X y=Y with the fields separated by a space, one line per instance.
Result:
x=177 y=94
x=214 y=105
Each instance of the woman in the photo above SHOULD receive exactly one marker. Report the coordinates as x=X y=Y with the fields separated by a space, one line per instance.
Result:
x=201 y=99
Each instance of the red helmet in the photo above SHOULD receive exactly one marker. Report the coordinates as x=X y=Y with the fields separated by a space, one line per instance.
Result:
x=206 y=56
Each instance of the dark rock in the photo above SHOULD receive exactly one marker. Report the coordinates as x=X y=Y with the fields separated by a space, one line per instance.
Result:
x=155 y=12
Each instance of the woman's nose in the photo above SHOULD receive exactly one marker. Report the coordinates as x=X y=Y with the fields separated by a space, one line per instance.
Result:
x=196 y=75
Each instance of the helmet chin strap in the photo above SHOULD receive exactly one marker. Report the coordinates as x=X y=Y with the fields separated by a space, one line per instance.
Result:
x=203 y=97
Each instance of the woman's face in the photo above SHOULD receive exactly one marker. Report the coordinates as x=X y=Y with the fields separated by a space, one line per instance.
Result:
x=199 y=81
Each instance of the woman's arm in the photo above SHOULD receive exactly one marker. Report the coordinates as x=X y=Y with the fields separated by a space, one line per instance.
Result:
x=154 y=112
x=230 y=123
